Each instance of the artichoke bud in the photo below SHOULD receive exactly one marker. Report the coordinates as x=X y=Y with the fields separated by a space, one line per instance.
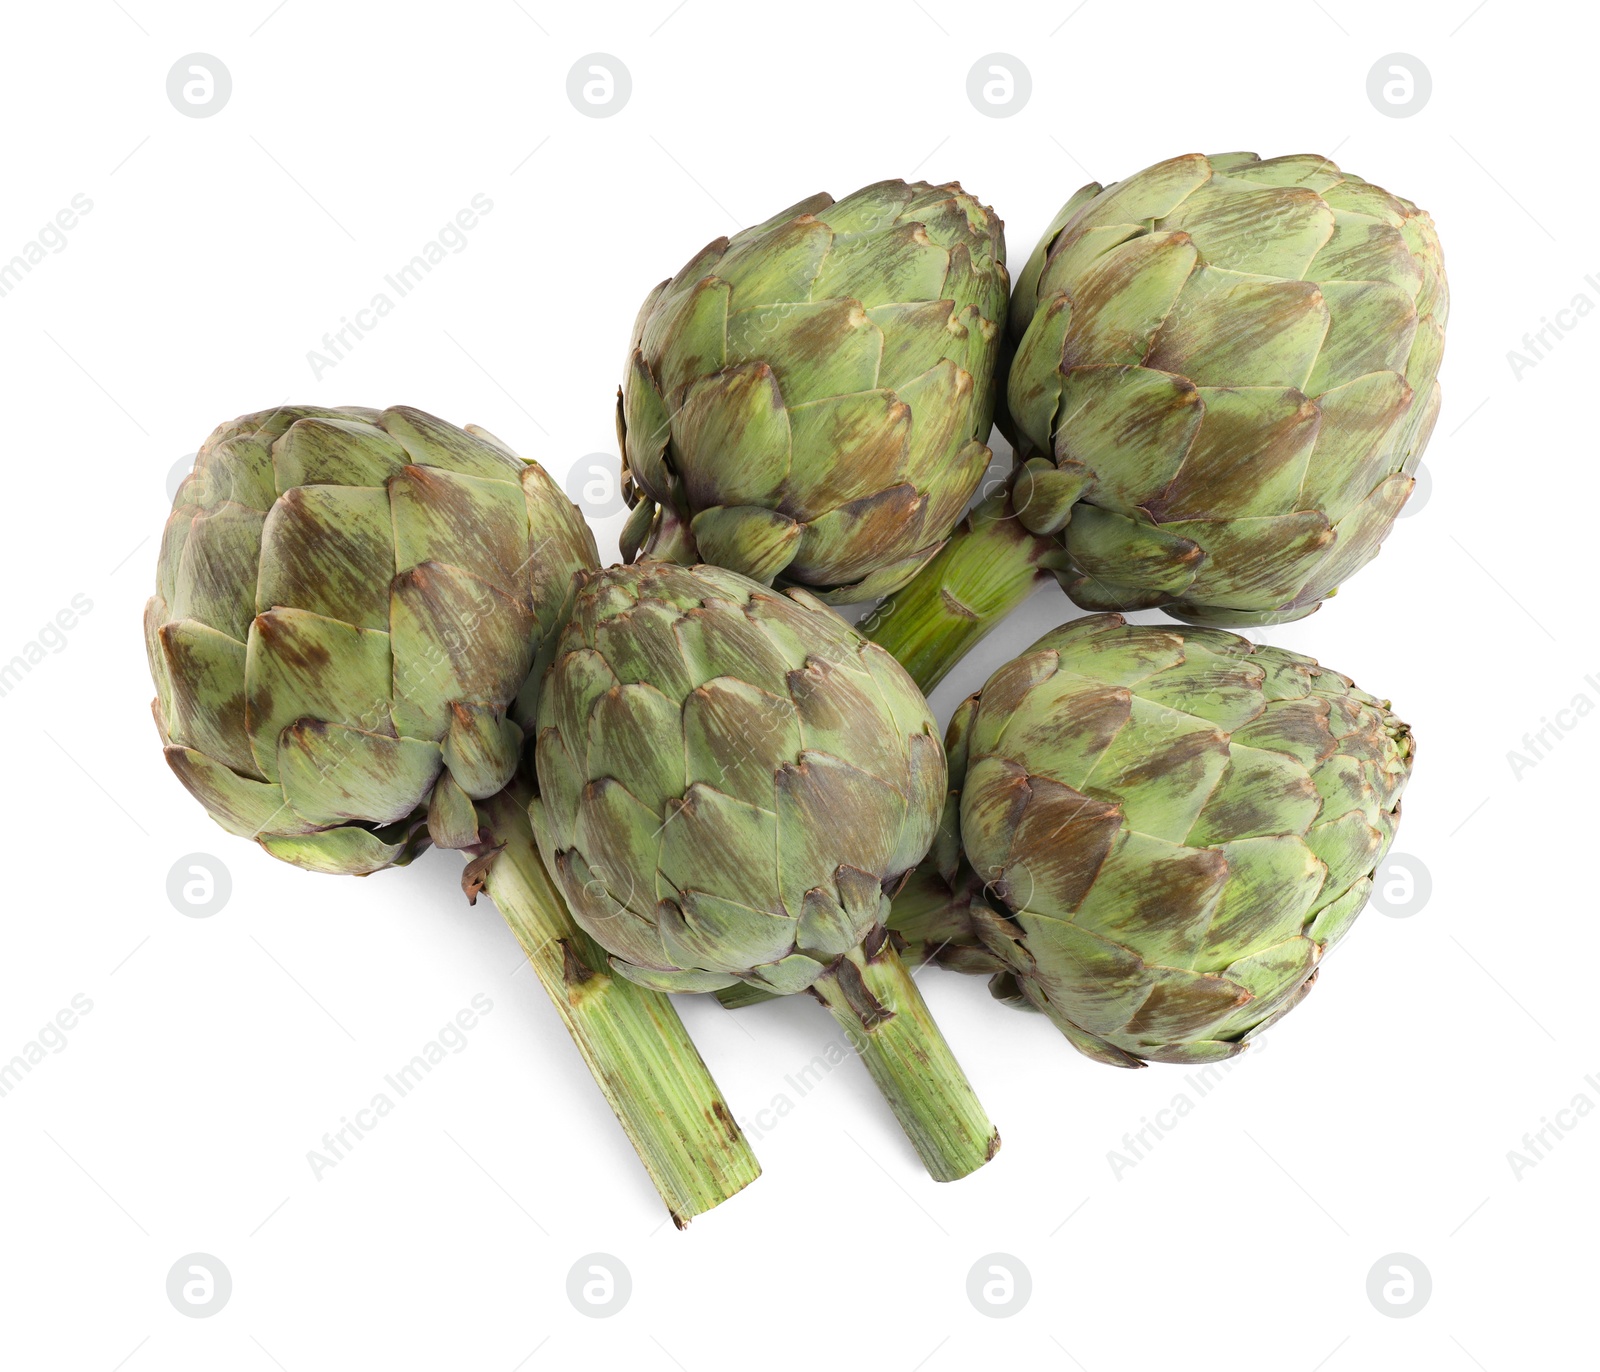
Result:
x=1169 y=828
x=1242 y=357
x=348 y=605
x=730 y=778
x=813 y=396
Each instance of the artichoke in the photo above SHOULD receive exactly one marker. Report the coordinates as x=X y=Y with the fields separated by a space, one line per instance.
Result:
x=1225 y=374
x=349 y=611
x=351 y=615
x=731 y=784
x=1155 y=833
x=811 y=398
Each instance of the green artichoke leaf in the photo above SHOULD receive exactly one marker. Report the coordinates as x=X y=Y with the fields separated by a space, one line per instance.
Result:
x=335 y=451
x=330 y=550
x=475 y=524
x=1249 y=457
x=331 y=773
x=1296 y=728
x=1356 y=539
x=348 y=850
x=1336 y=917
x=1033 y=384
x=731 y=438
x=1043 y=495
x=216 y=569
x=1162 y=767
x=831 y=814
x=734 y=736
x=777 y=266
x=1255 y=563
x=1272 y=887
x=1263 y=793
x=848 y=543
x=203 y=706
x=817 y=349
x=1371 y=328
x=671 y=982
x=1026 y=292
x=613 y=830
x=917 y=336
x=626 y=728
x=1230 y=329
x=1130 y=427
x=431 y=442
x=874 y=426
x=455 y=638
x=717 y=935
x=879 y=267
x=452 y=817
x=1366 y=249
x=715 y=844
x=749 y=539
x=481 y=749
x=1104 y=544
x=239 y=804
x=1355 y=452
x=687 y=337
x=304 y=666
x=1264 y=231
x=646 y=428
x=1349 y=847
x=886 y=579
x=1121 y=302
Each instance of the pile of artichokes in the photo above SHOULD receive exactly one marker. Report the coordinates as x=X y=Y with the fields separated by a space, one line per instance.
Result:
x=374 y=632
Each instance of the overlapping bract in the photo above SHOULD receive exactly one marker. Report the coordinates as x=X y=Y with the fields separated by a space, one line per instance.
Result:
x=730 y=778
x=348 y=607
x=812 y=397
x=1163 y=831
x=1230 y=364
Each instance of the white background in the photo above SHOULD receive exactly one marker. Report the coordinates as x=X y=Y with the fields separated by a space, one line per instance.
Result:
x=178 y=1117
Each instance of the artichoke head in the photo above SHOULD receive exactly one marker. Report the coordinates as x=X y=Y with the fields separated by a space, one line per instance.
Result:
x=730 y=778
x=1155 y=834
x=350 y=609
x=1230 y=365
x=811 y=399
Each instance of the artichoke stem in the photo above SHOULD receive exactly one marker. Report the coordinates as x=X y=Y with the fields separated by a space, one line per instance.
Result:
x=641 y=1056
x=989 y=567
x=878 y=1005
